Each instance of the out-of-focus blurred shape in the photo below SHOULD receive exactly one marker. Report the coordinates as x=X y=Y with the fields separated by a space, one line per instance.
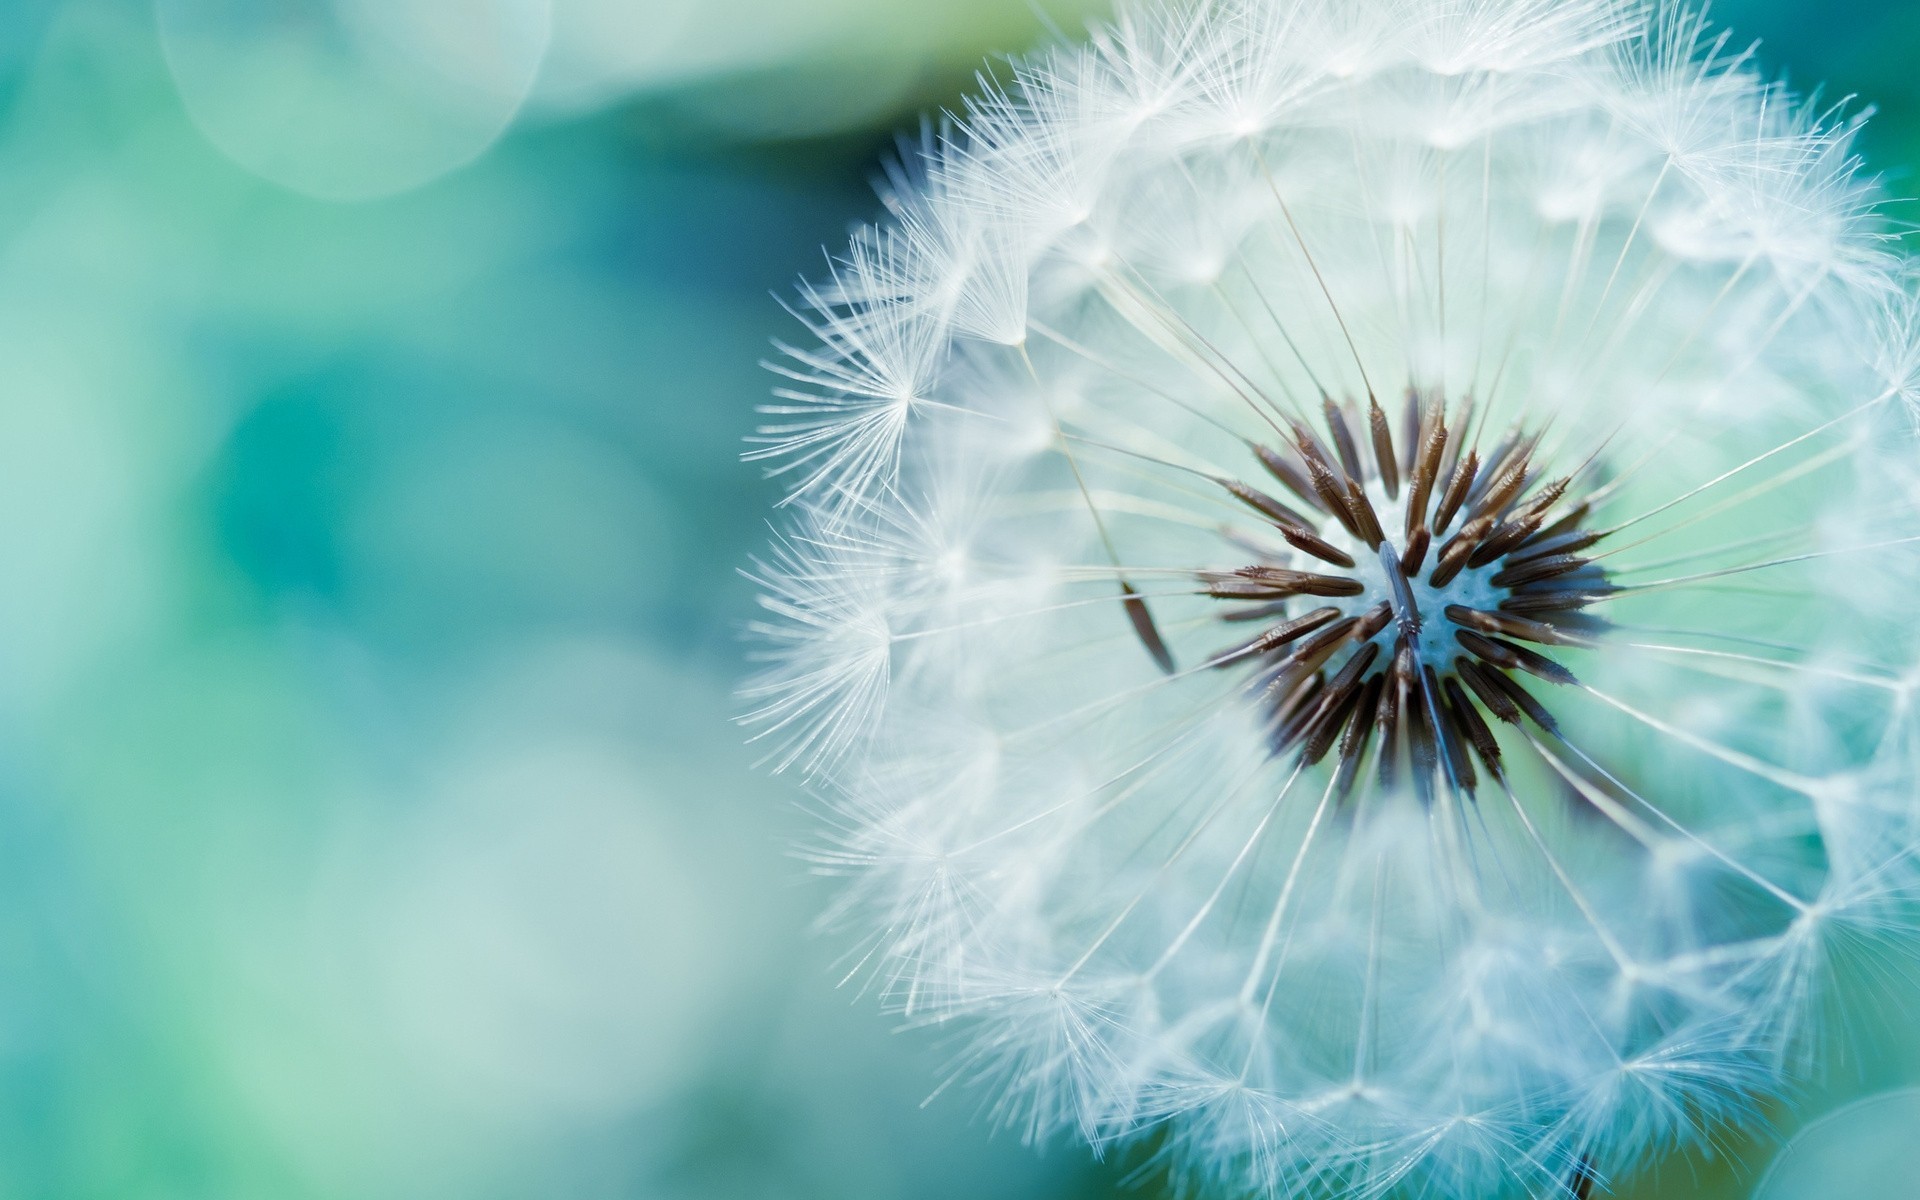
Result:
x=353 y=99
x=1866 y=1150
x=521 y=951
x=767 y=69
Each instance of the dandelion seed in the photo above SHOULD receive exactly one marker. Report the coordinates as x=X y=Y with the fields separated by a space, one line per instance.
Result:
x=1348 y=590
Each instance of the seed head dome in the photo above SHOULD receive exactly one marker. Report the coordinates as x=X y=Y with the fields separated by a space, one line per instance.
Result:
x=1346 y=583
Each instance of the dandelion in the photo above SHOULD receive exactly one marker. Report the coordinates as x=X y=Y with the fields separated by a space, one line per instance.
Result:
x=1347 y=590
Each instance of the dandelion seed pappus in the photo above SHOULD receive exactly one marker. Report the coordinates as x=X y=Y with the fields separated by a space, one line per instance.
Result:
x=1345 y=590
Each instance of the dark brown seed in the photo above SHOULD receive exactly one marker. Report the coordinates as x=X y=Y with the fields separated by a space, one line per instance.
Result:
x=1504 y=537
x=1399 y=594
x=1333 y=496
x=1298 y=626
x=1272 y=583
x=1487 y=650
x=1459 y=548
x=1499 y=540
x=1259 y=612
x=1543 y=500
x=1244 y=589
x=1536 y=663
x=1359 y=731
x=1423 y=742
x=1567 y=523
x=1383 y=456
x=1373 y=621
x=1318 y=734
x=1535 y=570
x=1354 y=672
x=1263 y=504
x=1456 y=493
x=1278 y=636
x=1309 y=446
x=1523 y=699
x=1412 y=419
x=1564 y=542
x=1512 y=534
x=1511 y=626
x=1451 y=737
x=1311 y=543
x=1506 y=485
x=1386 y=719
x=1290 y=474
x=1498 y=702
x=1335 y=703
x=1416 y=552
x=1145 y=629
x=1468 y=719
x=1502 y=653
x=1496 y=463
x=1299 y=723
x=1292 y=583
x=1296 y=692
x=1426 y=467
x=1538 y=602
x=1343 y=442
x=1314 y=651
x=1462 y=421
x=1368 y=520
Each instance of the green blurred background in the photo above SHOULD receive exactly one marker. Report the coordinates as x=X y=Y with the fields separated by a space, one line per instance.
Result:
x=373 y=375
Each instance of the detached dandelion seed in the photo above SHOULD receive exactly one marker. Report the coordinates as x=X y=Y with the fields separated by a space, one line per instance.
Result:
x=1348 y=586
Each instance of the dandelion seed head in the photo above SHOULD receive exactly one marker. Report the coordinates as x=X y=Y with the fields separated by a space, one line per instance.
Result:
x=1345 y=589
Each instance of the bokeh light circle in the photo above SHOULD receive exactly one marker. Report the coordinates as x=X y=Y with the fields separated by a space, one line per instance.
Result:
x=1870 y=1148
x=353 y=99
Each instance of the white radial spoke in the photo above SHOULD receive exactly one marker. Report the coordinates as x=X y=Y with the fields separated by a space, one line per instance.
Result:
x=1757 y=767
x=1363 y=1041
x=1273 y=185
x=1626 y=246
x=1579 y=252
x=1194 y=343
x=1105 y=704
x=1218 y=806
x=1157 y=459
x=1051 y=503
x=1528 y=290
x=1882 y=682
x=1609 y=807
x=1615 y=950
x=1046 y=610
x=1280 y=327
x=1108 y=365
x=1654 y=277
x=1711 y=550
x=1170 y=739
x=1743 y=568
x=1226 y=876
x=1766 y=486
x=1705 y=319
x=1755 y=461
x=1269 y=936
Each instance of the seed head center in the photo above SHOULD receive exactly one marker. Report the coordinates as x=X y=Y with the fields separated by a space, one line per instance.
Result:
x=1420 y=581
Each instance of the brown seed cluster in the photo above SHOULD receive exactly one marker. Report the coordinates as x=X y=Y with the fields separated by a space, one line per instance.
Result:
x=1413 y=677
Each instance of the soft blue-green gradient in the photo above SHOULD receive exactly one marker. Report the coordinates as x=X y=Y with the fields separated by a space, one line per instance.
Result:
x=373 y=375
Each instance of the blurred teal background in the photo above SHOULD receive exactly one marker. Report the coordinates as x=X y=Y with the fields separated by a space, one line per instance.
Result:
x=373 y=375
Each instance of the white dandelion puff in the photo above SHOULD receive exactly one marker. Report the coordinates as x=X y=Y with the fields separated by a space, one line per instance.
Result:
x=826 y=643
x=1348 y=590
